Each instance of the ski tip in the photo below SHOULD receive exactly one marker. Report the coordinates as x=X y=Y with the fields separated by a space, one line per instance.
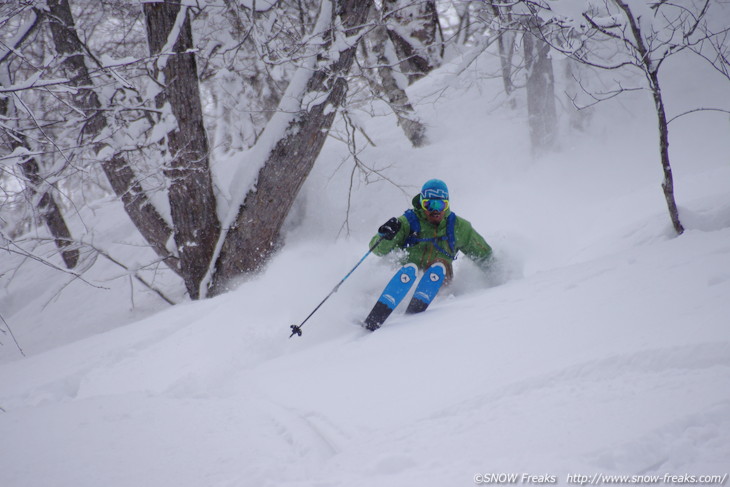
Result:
x=370 y=326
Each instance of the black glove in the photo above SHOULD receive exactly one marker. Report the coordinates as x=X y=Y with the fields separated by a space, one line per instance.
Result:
x=388 y=229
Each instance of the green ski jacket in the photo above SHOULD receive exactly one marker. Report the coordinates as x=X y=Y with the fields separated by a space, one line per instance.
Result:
x=426 y=252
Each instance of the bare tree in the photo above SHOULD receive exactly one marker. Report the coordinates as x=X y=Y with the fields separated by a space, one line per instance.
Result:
x=633 y=35
x=511 y=22
x=643 y=37
x=85 y=98
x=506 y=44
x=391 y=83
x=40 y=192
x=540 y=87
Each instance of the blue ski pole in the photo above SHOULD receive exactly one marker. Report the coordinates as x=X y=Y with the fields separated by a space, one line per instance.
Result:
x=297 y=329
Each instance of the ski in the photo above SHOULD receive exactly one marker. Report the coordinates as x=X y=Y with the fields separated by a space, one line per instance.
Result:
x=427 y=288
x=391 y=296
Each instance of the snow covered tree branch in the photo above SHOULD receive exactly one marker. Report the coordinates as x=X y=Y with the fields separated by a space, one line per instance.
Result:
x=291 y=144
x=155 y=95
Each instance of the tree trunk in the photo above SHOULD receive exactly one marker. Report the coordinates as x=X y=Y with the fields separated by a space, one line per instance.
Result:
x=668 y=183
x=541 y=113
x=506 y=45
x=252 y=236
x=463 y=29
x=50 y=212
x=120 y=175
x=143 y=214
x=579 y=117
x=192 y=202
x=415 y=31
x=652 y=75
x=506 y=50
x=48 y=209
x=397 y=98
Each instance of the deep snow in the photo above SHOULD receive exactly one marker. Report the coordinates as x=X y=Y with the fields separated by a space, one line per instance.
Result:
x=599 y=343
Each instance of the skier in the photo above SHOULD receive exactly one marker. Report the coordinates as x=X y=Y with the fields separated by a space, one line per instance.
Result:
x=431 y=235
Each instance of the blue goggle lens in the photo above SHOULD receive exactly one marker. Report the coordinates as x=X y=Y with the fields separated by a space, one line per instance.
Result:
x=434 y=204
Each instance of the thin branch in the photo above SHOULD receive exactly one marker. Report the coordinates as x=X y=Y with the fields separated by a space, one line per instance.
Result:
x=697 y=20
x=13 y=49
x=43 y=132
x=135 y=274
x=12 y=335
x=43 y=261
x=603 y=29
x=697 y=110
x=598 y=99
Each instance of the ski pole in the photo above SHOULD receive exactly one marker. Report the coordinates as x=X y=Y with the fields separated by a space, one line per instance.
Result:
x=297 y=329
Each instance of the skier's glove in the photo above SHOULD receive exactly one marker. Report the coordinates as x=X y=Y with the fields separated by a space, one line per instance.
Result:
x=389 y=229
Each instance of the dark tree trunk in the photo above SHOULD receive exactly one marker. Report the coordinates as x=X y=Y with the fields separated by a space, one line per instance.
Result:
x=396 y=96
x=506 y=50
x=143 y=214
x=541 y=113
x=192 y=202
x=255 y=231
x=506 y=45
x=48 y=209
x=416 y=34
x=50 y=213
x=120 y=175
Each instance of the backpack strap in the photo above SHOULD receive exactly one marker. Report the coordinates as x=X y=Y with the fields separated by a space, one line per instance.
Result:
x=451 y=233
x=412 y=221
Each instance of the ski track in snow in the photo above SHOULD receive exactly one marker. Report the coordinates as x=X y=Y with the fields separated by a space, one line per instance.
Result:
x=504 y=429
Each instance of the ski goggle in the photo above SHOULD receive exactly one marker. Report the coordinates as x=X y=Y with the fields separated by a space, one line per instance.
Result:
x=432 y=204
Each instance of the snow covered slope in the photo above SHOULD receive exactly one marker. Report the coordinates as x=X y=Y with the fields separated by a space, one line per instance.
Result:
x=599 y=345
